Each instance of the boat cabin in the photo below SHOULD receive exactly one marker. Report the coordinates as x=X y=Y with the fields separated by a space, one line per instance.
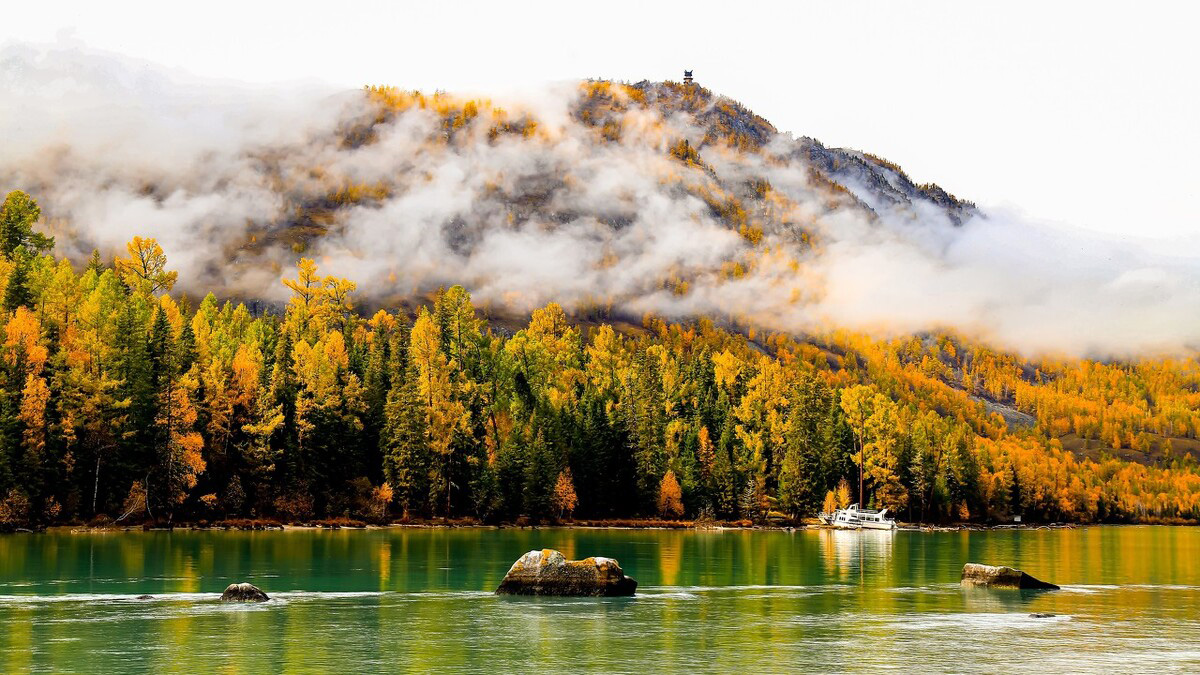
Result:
x=855 y=518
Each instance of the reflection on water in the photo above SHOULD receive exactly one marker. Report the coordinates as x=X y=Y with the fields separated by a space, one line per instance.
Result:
x=853 y=555
x=711 y=601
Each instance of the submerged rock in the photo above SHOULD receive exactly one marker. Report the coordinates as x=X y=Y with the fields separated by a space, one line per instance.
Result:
x=1041 y=615
x=974 y=574
x=548 y=572
x=243 y=592
x=145 y=597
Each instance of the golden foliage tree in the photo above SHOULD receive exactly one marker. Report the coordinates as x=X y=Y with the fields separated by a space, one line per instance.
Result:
x=564 y=493
x=145 y=270
x=670 y=497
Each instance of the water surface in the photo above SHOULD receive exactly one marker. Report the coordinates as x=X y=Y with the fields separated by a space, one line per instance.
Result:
x=420 y=599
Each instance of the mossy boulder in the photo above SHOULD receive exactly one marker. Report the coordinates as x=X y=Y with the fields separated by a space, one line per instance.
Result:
x=243 y=592
x=548 y=572
x=992 y=576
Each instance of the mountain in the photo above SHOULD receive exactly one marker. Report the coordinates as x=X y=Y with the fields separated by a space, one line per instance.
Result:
x=607 y=197
x=628 y=189
x=591 y=290
x=707 y=156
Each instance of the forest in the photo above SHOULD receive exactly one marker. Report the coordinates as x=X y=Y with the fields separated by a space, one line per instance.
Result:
x=121 y=401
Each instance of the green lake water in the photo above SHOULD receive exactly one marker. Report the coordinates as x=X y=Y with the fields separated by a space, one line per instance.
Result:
x=353 y=601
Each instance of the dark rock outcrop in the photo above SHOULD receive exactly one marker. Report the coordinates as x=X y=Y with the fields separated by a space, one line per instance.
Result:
x=548 y=572
x=875 y=184
x=974 y=574
x=1041 y=615
x=243 y=592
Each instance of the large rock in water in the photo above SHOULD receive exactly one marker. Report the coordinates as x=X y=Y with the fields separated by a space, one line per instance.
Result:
x=548 y=572
x=243 y=592
x=974 y=574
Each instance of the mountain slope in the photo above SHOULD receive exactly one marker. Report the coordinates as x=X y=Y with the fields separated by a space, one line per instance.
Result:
x=779 y=307
x=633 y=188
x=649 y=197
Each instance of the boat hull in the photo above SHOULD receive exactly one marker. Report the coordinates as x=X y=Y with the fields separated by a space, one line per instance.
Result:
x=878 y=526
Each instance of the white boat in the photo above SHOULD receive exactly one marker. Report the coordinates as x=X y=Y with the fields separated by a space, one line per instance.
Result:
x=854 y=518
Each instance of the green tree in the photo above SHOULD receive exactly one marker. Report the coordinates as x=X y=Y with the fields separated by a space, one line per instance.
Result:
x=95 y=263
x=541 y=471
x=806 y=447
x=17 y=292
x=17 y=218
x=645 y=423
x=404 y=445
x=856 y=402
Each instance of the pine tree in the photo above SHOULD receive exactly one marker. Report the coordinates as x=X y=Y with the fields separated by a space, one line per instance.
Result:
x=17 y=292
x=960 y=474
x=726 y=479
x=404 y=445
x=17 y=218
x=376 y=377
x=161 y=482
x=262 y=450
x=541 y=470
x=925 y=450
x=95 y=263
x=445 y=415
x=802 y=474
x=185 y=348
x=133 y=369
x=645 y=424
x=856 y=403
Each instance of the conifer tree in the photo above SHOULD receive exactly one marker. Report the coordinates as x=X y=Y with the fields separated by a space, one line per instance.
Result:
x=645 y=423
x=18 y=215
x=17 y=292
x=404 y=445
x=95 y=263
x=541 y=468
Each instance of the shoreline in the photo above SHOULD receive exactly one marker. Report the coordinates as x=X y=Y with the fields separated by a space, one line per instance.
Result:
x=268 y=526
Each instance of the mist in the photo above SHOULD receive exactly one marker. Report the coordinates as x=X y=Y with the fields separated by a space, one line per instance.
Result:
x=217 y=171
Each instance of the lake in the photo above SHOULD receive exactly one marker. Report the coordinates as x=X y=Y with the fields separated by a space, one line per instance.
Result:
x=421 y=599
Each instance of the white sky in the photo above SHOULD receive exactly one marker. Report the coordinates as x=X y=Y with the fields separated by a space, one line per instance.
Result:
x=1085 y=113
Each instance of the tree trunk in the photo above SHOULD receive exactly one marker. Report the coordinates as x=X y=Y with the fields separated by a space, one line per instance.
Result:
x=96 y=488
x=146 y=496
x=448 y=486
x=862 y=501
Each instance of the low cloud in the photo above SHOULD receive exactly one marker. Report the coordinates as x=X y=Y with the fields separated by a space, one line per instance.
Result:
x=223 y=174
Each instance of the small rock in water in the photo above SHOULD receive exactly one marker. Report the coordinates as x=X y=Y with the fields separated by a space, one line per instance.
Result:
x=243 y=592
x=974 y=574
x=145 y=597
x=548 y=572
x=1041 y=615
